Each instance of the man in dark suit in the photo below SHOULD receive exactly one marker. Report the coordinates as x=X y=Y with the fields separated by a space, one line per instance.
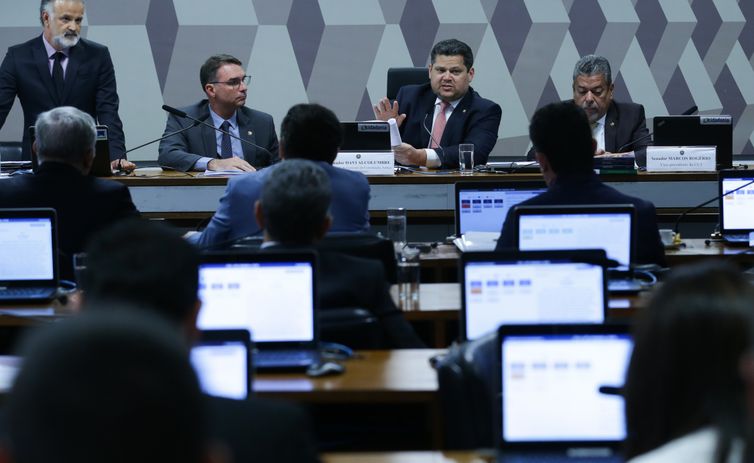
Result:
x=435 y=118
x=65 y=139
x=564 y=148
x=293 y=212
x=224 y=82
x=616 y=127
x=150 y=266
x=311 y=132
x=61 y=69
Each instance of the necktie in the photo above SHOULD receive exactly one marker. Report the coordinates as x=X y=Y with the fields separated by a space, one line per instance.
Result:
x=57 y=73
x=226 y=149
x=439 y=127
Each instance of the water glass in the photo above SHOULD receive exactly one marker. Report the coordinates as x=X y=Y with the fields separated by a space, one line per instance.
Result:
x=79 y=267
x=408 y=280
x=466 y=158
x=396 y=227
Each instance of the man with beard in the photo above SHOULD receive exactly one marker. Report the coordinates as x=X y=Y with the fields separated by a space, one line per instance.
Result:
x=59 y=68
x=616 y=127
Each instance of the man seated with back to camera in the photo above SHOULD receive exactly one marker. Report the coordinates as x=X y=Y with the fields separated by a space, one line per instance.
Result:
x=64 y=145
x=149 y=265
x=617 y=127
x=435 y=118
x=310 y=132
x=564 y=148
x=293 y=212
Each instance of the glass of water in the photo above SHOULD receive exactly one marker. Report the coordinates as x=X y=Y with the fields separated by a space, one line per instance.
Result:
x=408 y=279
x=396 y=227
x=466 y=158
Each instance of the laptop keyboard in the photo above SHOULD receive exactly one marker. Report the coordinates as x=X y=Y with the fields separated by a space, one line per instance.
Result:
x=27 y=293
x=272 y=358
x=737 y=237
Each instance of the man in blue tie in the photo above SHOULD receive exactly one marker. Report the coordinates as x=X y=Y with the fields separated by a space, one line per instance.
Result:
x=225 y=83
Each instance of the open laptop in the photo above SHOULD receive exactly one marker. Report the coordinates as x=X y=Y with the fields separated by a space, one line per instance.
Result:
x=270 y=294
x=101 y=166
x=737 y=208
x=610 y=227
x=527 y=287
x=556 y=392
x=222 y=361
x=28 y=255
x=481 y=208
x=365 y=136
x=698 y=130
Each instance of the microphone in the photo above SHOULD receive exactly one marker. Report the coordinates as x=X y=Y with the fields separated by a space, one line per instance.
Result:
x=698 y=206
x=432 y=138
x=183 y=115
x=688 y=112
x=162 y=137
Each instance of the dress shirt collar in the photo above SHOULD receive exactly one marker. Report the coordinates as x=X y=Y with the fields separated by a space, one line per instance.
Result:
x=51 y=50
x=451 y=104
x=218 y=121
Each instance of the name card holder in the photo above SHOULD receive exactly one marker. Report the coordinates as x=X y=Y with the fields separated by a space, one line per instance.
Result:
x=681 y=159
x=366 y=162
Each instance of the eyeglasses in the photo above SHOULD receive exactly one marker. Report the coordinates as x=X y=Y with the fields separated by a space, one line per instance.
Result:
x=235 y=82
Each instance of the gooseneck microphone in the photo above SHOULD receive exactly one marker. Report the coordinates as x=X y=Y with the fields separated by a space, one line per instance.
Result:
x=178 y=113
x=162 y=137
x=698 y=206
x=688 y=112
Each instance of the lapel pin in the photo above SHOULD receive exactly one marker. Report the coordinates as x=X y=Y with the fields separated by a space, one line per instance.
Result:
x=612 y=123
x=249 y=133
x=463 y=111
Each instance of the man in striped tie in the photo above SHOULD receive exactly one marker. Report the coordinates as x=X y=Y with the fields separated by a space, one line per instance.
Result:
x=436 y=117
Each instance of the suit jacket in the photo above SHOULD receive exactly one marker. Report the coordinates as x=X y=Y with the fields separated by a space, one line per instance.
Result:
x=234 y=217
x=474 y=120
x=588 y=189
x=84 y=204
x=181 y=151
x=89 y=86
x=625 y=130
x=257 y=430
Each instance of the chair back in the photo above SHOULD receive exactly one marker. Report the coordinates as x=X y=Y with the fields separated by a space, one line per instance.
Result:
x=364 y=245
x=11 y=151
x=398 y=77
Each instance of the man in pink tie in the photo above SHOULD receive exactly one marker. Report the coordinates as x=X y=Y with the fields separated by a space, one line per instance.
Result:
x=436 y=117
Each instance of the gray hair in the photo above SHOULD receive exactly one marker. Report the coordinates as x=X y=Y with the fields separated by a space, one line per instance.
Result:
x=295 y=201
x=65 y=134
x=46 y=5
x=591 y=65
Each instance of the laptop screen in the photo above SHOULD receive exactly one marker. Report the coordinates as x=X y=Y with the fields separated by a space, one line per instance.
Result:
x=534 y=290
x=550 y=228
x=273 y=300
x=551 y=386
x=223 y=366
x=27 y=248
x=482 y=207
x=737 y=209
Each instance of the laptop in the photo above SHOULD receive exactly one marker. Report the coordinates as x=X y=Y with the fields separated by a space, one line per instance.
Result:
x=699 y=130
x=481 y=208
x=556 y=390
x=524 y=287
x=28 y=255
x=736 y=208
x=101 y=165
x=272 y=295
x=610 y=227
x=222 y=361
x=365 y=136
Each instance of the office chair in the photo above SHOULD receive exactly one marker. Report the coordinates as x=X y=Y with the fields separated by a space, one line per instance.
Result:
x=398 y=77
x=354 y=327
x=11 y=151
x=467 y=393
x=362 y=244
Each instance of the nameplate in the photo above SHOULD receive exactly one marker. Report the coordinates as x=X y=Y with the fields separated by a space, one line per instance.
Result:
x=681 y=159
x=368 y=163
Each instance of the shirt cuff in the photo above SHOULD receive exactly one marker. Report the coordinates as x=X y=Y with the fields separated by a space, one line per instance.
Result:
x=433 y=160
x=201 y=164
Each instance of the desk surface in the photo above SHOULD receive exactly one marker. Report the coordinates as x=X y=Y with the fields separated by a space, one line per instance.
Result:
x=407 y=457
x=403 y=375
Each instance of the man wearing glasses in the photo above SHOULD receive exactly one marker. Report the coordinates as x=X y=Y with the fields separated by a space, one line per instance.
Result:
x=200 y=148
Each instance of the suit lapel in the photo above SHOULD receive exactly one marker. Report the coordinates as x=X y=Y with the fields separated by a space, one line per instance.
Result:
x=209 y=138
x=611 y=128
x=457 y=118
x=246 y=132
x=428 y=106
x=75 y=56
x=43 y=67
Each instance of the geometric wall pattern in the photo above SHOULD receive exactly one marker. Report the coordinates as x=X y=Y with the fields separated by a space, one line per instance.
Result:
x=666 y=54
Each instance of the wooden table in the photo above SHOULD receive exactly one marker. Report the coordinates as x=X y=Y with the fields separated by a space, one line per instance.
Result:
x=408 y=457
x=380 y=392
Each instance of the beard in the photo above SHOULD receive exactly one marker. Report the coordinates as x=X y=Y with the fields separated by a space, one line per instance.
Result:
x=66 y=40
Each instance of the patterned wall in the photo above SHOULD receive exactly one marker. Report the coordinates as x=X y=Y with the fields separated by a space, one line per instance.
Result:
x=667 y=54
